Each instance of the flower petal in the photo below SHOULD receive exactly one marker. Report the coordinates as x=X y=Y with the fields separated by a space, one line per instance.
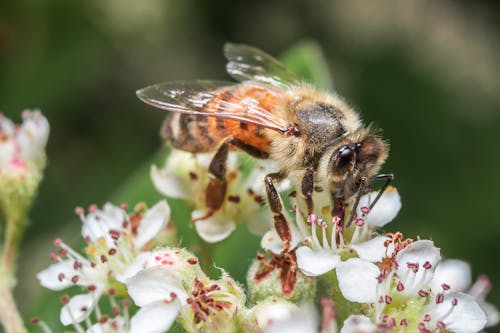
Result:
x=99 y=223
x=358 y=280
x=50 y=277
x=135 y=267
x=357 y=324
x=156 y=317
x=374 y=249
x=155 y=284
x=416 y=265
x=453 y=272
x=213 y=229
x=464 y=317
x=152 y=222
x=271 y=241
x=78 y=308
x=169 y=184
x=314 y=263
x=385 y=209
x=305 y=319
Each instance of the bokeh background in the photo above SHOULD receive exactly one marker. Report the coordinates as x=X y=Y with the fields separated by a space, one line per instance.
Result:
x=426 y=72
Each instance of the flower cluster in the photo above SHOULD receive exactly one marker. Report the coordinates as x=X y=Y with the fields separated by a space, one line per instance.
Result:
x=22 y=160
x=319 y=275
x=117 y=244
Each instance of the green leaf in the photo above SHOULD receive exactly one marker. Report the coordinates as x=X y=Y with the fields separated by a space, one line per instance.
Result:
x=306 y=59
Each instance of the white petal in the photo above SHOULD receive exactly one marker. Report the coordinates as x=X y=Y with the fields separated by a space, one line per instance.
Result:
x=49 y=277
x=99 y=223
x=78 y=308
x=358 y=324
x=156 y=317
x=453 y=272
x=169 y=184
x=137 y=265
x=155 y=219
x=374 y=250
x=303 y=320
x=491 y=312
x=421 y=253
x=358 y=280
x=271 y=241
x=155 y=284
x=115 y=325
x=215 y=228
x=465 y=317
x=384 y=211
x=314 y=263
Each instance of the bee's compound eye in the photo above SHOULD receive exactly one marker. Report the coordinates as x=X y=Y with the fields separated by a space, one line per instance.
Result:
x=345 y=156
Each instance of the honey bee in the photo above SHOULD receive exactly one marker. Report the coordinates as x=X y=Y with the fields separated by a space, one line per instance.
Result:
x=271 y=114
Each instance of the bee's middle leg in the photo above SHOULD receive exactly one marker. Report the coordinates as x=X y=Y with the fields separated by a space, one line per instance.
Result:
x=308 y=188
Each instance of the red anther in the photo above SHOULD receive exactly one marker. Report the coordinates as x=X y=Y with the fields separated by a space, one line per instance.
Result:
x=103 y=319
x=87 y=239
x=293 y=194
x=193 y=176
x=124 y=206
x=112 y=291
x=423 y=293
x=413 y=266
x=312 y=219
x=57 y=242
x=63 y=252
x=192 y=261
x=112 y=251
x=75 y=278
x=35 y=320
x=53 y=256
x=454 y=302
x=441 y=325
x=92 y=208
x=381 y=299
x=60 y=276
x=114 y=234
x=384 y=318
x=358 y=221
x=388 y=299
x=400 y=287
x=365 y=210
x=439 y=298
x=79 y=210
x=445 y=286
x=84 y=309
x=392 y=322
x=403 y=322
x=427 y=317
x=91 y=287
x=427 y=265
x=336 y=220
x=104 y=258
x=64 y=299
x=126 y=303
x=234 y=198
x=261 y=256
x=116 y=310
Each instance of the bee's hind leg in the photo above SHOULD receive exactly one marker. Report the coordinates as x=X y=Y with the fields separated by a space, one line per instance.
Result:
x=280 y=223
x=215 y=193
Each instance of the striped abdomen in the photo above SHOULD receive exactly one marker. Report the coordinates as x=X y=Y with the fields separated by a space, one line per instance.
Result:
x=205 y=133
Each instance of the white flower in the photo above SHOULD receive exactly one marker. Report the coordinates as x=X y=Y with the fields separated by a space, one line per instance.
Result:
x=303 y=319
x=185 y=176
x=171 y=285
x=116 y=245
x=357 y=324
x=325 y=241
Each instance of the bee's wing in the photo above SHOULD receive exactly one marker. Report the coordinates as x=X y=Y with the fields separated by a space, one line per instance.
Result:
x=196 y=97
x=247 y=63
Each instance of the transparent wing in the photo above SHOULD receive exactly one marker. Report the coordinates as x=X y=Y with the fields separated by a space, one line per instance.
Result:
x=211 y=99
x=249 y=63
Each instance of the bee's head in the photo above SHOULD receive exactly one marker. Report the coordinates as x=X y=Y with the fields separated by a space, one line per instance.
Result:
x=356 y=157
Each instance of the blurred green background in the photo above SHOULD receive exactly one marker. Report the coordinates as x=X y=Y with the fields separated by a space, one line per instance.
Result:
x=426 y=72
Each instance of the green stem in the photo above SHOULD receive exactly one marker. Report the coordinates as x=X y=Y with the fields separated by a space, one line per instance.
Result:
x=9 y=314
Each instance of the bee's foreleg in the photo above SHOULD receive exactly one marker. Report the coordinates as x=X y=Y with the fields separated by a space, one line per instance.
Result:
x=359 y=192
x=280 y=223
x=308 y=188
x=389 y=177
